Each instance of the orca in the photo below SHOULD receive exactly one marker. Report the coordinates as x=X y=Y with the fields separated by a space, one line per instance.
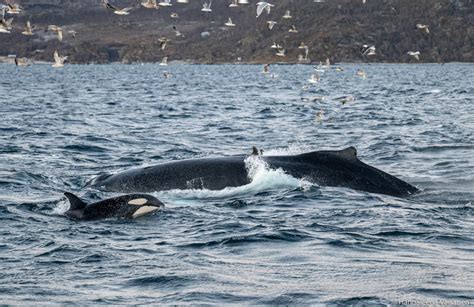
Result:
x=126 y=206
x=325 y=168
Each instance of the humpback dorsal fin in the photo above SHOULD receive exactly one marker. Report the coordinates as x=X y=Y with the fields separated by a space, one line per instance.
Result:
x=350 y=153
x=74 y=201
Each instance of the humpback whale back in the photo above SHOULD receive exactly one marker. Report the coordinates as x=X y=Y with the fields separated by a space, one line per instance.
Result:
x=340 y=168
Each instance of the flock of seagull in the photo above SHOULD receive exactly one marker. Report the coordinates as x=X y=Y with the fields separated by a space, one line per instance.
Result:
x=262 y=6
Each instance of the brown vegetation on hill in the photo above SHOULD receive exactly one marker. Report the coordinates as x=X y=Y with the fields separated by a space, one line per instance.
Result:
x=335 y=29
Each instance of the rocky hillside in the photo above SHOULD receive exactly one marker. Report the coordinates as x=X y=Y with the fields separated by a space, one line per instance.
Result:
x=335 y=29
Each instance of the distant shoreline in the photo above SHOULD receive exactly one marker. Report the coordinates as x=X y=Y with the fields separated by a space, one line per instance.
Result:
x=10 y=61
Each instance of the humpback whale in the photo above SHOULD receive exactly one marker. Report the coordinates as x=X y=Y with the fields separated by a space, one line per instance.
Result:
x=325 y=168
x=126 y=206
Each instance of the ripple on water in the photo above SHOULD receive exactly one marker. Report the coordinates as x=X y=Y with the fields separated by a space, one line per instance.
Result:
x=278 y=240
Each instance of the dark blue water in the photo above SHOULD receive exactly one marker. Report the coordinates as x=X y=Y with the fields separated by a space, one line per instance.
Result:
x=278 y=240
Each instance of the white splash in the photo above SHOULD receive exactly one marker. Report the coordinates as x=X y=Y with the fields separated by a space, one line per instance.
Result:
x=261 y=176
x=61 y=207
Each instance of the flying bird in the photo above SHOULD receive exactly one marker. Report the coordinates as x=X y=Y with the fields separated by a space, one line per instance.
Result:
x=293 y=29
x=234 y=4
x=206 y=7
x=263 y=6
x=59 y=60
x=58 y=30
x=177 y=32
x=165 y=3
x=150 y=4
x=287 y=15
x=367 y=50
x=14 y=9
x=229 y=23
x=118 y=11
x=270 y=24
x=423 y=28
x=28 y=29
x=415 y=54
x=163 y=42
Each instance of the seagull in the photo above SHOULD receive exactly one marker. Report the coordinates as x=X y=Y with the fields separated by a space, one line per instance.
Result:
x=234 y=4
x=415 y=54
x=319 y=116
x=361 y=73
x=165 y=3
x=174 y=15
x=287 y=15
x=6 y=25
x=183 y=1
x=28 y=30
x=73 y=33
x=345 y=99
x=314 y=79
x=14 y=9
x=150 y=4
x=423 y=28
x=276 y=46
x=293 y=29
x=368 y=50
x=302 y=46
x=229 y=23
x=207 y=7
x=116 y=10
x=177 y=32
x=262 y=5
x=319 y=68
x=22 y=62
x=266 y=69
x=163 y=41
x=58 y=30
x=167 y=75
x=58 y=60
x=270 y=24
x=281 y=52
x=164 y=61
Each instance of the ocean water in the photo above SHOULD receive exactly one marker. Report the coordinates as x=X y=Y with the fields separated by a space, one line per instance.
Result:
x=278 y=240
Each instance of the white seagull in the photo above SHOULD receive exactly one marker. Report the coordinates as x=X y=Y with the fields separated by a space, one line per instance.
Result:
x=415 y=54
x=58 y=60
x=14 y=9
x=361 y=73
x=229 y=23
x=262 y=5
x=270 y=24
x=293 y=29
x=281 y=52
x=206 y=7
x=368 y=50
x=164 y=61
x=28 y=30
x=165 y=3
x=423 y=28
x=150 y=4
x=177 y=32
x=58 y=30
x=287 y=15
x=314 y=79
x=6 y=25
x=234 y=4
x=116 y=10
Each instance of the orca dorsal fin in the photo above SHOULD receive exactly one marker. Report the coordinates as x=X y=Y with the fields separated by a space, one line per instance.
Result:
x=74 y=201
x=350 y=153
